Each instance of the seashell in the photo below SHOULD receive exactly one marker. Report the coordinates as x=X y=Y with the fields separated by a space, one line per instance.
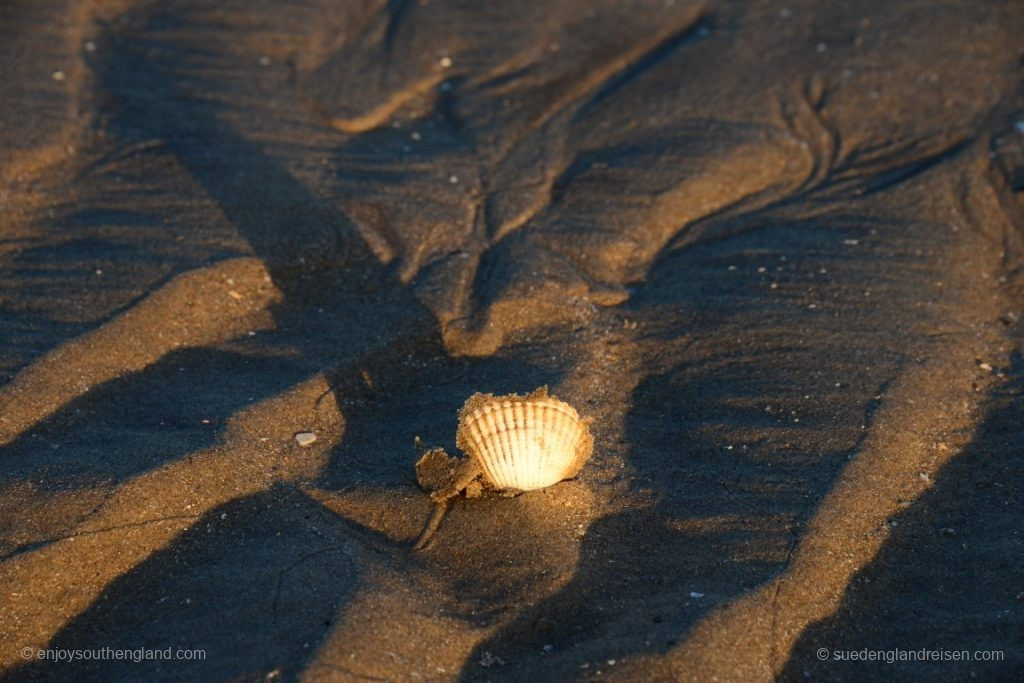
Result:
x=523 y=443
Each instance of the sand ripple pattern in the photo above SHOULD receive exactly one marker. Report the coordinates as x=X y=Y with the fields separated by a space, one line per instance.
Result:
x=774 y=251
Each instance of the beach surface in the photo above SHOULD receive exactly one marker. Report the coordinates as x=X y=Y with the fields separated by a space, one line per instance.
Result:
x=774 y=249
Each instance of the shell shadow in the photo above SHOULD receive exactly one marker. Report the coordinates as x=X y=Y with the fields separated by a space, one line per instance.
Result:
x=413 y=388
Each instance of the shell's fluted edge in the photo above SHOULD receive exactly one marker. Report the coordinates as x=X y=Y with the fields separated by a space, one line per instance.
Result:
x=478 y=400
x=524 y=442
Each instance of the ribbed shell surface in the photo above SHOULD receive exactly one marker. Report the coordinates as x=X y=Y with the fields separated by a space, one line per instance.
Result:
x=525 y=443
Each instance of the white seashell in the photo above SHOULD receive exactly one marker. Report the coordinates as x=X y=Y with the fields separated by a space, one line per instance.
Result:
x=523 y=442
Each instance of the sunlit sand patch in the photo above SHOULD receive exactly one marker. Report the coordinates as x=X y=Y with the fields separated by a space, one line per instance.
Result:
x=196 y=308
x=48 y=586
x=523 y=551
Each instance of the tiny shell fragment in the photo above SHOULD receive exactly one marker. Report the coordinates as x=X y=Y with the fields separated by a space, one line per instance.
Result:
x=305 y=438
x=444 y=476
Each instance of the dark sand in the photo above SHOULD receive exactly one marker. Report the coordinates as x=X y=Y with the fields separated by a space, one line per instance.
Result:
x=773 y=248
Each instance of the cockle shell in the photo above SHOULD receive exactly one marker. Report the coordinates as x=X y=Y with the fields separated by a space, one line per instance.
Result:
x=523 y=443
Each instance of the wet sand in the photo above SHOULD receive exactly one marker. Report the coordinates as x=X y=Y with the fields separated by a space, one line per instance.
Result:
x=774 y=249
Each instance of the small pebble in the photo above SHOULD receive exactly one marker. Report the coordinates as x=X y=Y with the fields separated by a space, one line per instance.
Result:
x=445 y=62
x=305 y=438
x=58 y=75
x=696 y=595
